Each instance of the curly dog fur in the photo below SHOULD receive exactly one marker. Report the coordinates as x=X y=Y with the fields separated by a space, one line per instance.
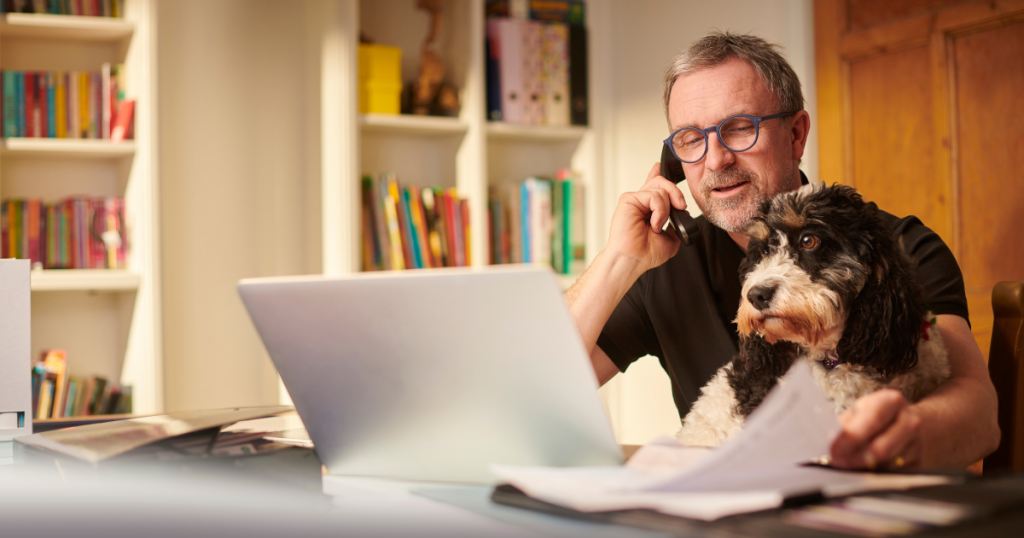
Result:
x=824 y=280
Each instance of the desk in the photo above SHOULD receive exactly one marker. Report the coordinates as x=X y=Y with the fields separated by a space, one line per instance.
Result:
x=282 y=495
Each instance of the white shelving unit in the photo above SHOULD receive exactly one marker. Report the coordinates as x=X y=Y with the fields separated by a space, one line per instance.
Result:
x=467 y=152
x=108 y=320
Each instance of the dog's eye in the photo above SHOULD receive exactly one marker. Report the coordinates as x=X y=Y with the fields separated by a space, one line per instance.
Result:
x=764 y=251
x=809 y=241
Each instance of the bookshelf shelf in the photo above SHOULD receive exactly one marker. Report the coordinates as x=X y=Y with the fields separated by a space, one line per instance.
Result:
x=63 y=147
x=497 y=130
x=115 y=333
x=85 y=280
x=28 y=25
x=407 y=124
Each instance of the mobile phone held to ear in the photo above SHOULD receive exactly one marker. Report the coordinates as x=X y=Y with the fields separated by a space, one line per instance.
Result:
x=685 y=226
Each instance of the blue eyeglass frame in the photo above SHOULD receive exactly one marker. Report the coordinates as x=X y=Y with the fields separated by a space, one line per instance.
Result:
x=704 y=132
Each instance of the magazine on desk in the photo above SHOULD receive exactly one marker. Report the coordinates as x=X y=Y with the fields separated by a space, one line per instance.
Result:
x=186 y=433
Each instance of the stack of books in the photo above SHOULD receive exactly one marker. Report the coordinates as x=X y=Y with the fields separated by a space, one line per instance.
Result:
x=412 y=228
x=539 y=220
x=86 y=8
x=537 y=62
x=56 y=394
x=76 y=233
x=67 y=104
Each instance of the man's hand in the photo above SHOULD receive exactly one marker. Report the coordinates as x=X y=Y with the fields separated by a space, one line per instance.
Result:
x=881 y=430
x=636 y=230
x=952 y=427
x=635 y=244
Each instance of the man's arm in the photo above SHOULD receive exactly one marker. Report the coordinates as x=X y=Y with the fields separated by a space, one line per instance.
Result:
x=953 y=426
x=635 y=244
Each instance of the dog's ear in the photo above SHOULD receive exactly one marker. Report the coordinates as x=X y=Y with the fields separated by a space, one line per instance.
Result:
x=883 y=328
x=756 y=369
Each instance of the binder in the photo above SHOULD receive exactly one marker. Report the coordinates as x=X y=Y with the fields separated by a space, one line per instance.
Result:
x=533 y=67
x=493 y=68
x=509 y=44
x=578 y=95
x=555 y=74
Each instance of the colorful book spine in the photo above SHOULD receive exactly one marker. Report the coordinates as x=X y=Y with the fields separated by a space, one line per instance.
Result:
x=10 y=105
x=394 y=233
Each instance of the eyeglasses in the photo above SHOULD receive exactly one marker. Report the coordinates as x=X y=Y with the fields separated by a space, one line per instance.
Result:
x=737 y=133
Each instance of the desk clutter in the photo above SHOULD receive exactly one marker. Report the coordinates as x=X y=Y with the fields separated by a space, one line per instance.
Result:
x=242 y=466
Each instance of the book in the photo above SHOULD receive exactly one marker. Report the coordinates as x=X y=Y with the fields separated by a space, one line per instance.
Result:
x=394 y=233
x=123 y=121
x=539 y=217
x=55 y=362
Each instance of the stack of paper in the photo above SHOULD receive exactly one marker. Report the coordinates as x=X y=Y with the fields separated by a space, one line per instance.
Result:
x=756 y=470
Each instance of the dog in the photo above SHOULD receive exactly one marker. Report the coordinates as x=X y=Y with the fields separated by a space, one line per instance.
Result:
x=826 y=281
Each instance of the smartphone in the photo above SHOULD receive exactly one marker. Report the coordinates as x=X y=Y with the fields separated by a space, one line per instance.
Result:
x=685 y=226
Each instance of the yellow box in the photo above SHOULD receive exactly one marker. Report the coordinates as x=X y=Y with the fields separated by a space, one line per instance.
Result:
x=380 y=97
x=380 y=62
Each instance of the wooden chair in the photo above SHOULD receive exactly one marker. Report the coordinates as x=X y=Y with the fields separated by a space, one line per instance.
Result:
x=1006 y=366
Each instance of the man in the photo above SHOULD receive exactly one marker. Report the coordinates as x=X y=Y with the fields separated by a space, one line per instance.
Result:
x=645 y=295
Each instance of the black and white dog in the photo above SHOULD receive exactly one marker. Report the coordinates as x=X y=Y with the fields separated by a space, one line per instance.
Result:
x=826 y=281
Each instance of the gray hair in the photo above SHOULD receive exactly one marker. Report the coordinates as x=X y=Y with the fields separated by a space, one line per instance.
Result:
x=718 y=47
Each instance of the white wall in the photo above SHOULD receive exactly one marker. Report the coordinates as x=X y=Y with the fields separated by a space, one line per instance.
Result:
x=237 y=199
x=645 y=36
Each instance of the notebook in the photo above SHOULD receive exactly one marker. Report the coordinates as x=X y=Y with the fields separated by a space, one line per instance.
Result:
x=434 y=374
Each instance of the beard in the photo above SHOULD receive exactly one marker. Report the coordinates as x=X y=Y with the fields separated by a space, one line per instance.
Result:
x=733 y=214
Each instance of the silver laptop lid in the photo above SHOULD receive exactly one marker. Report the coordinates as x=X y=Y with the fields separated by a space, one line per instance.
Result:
x=434 y=374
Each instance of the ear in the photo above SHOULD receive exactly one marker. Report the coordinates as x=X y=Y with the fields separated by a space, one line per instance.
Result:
x=884 y=325
x=799 y=129
x=756 y=369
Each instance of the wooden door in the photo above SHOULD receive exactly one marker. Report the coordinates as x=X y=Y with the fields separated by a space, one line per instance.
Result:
x=921 y=108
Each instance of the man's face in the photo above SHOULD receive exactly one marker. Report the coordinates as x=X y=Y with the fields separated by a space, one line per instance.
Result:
x=729 y=187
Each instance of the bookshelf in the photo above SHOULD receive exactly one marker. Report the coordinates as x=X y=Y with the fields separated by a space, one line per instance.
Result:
x=468 y=152
x=107 y=320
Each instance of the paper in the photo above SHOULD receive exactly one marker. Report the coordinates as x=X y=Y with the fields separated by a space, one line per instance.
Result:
x=755 y=470
x=97 y=442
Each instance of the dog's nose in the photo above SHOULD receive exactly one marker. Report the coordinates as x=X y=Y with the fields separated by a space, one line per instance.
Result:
x=761 y=296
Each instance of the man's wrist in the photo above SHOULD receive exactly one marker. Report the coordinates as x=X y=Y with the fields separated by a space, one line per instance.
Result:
x=621 y=267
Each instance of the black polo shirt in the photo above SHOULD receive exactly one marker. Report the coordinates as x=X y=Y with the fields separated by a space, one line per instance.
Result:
x=681 y=312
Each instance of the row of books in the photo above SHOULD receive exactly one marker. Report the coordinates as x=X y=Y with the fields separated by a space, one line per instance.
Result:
x=87 y=8
x=67 y=104
x=536 y=72
x=80 y=232
x=564 y=11
x=539 y=220
x=56 y=394
x=412 y=228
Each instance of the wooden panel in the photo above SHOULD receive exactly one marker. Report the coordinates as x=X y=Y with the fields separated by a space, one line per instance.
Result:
x=865 y=13
x=893 y=157
x=990 y=103
x=990 y=124
x=828 y=26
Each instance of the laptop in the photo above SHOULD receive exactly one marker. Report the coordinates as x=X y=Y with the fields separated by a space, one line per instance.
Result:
x=434 y=374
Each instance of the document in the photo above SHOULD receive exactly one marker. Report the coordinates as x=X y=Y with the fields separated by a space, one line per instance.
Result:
x=755 y=470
